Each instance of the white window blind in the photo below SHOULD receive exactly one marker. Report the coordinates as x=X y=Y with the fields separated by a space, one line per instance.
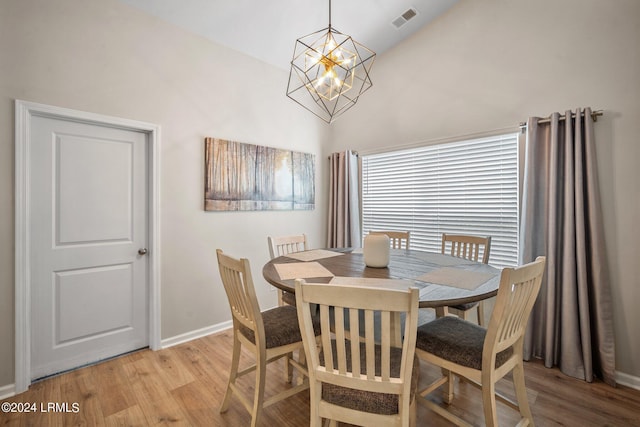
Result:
x=465 y=187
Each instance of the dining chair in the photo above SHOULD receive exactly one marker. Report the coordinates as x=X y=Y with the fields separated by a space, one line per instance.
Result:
x=360 y=382
x=269 y=335
x=468 y=247
x=481 y=355
x=396 y=238
x=283 y=245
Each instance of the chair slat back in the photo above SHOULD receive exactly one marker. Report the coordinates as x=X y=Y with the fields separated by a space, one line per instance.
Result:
x=283 y=245
x=356 y=364
x=466 y=246
x=519 y=288
x=238 y=285
x=396 y=238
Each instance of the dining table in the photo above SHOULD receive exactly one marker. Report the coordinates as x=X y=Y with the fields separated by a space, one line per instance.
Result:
x=442 y=280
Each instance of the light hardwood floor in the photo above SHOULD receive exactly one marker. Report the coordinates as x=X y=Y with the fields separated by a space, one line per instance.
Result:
x=184 y=385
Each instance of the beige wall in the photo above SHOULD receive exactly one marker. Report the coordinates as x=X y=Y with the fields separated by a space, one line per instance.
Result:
x=491 y=64
x=107 y=58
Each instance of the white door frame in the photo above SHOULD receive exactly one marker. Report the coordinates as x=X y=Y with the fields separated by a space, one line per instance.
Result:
x=24 y=111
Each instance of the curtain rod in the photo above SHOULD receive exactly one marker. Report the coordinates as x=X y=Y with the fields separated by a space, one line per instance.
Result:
x=594 y=116
x=523 y=125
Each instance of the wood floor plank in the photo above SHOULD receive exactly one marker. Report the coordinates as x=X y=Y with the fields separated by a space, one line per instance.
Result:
x=184 y=386
x=81 y=395
x=201 y=364
x=174 y=372
x=113 y=386
x=148 y=381
x=198 y=406
x=129 y=417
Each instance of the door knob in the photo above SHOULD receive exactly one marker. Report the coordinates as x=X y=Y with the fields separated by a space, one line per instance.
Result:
x=142 y=251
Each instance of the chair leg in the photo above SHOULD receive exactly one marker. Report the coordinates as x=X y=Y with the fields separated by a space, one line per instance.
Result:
x=447 y=395
x=481 y=320
x=489 y=402
x=258 y=398
x=521 y=393
x=315 y=418
x=288 y=369
x=233 y=374
x=413 y=413
x=302 y=360
x=442 y=311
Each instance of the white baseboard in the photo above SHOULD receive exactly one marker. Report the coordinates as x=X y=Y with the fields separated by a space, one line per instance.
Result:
x=198 y=333
x=7 y=391
x=628 y=380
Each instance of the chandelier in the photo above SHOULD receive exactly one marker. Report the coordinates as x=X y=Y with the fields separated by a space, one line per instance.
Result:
x=329 y=72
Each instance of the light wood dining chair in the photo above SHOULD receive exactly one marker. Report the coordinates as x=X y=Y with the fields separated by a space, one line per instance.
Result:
x=268 y=335
x=284 y=245
x=396 y=238
x=362 y=382
x=468 y=247
x=481 y=355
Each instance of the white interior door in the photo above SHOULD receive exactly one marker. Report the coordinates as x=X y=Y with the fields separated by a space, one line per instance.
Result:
x=88 y=203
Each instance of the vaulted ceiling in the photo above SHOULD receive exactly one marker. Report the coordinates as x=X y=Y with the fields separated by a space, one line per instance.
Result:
x=268 y=29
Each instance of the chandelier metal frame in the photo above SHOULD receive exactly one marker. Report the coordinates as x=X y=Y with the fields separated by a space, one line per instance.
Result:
x=329 y=72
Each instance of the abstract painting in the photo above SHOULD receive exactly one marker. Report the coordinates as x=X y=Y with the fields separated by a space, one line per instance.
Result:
x=247 y=177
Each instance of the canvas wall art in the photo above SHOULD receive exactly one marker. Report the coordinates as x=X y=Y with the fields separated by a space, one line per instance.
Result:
x=247 y=177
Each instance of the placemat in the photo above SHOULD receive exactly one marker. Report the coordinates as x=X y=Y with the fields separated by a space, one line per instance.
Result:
x=441 y=259
x=456 y=277
x=400 y=284
x=313 y=255
x=301 y=270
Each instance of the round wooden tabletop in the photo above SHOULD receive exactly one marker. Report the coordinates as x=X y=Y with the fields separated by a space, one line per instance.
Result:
x=443 y=280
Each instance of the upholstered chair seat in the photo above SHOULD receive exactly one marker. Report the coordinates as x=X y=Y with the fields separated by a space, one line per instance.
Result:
x=458 y=341
x=465 y=307
x=376 y=403
x=280 y=327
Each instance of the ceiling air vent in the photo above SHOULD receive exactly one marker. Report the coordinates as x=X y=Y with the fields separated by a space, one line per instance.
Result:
x=404 y=18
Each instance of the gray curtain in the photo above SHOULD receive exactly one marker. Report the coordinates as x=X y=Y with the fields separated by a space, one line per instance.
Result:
x=344 y=201
x=571 y=325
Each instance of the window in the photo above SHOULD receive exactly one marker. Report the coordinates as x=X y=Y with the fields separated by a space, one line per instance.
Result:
x=466 y=187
